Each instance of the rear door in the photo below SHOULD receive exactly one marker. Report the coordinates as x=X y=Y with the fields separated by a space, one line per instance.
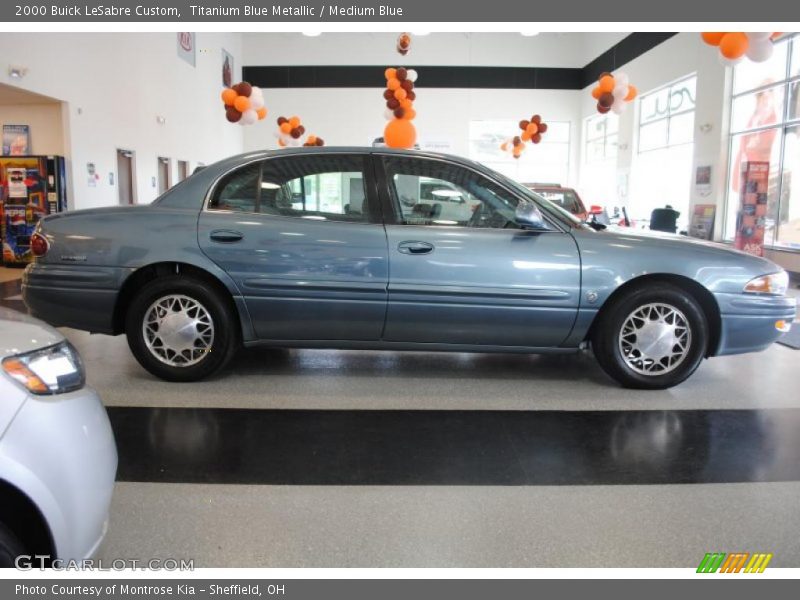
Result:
x=462 y=271
x=302 y=237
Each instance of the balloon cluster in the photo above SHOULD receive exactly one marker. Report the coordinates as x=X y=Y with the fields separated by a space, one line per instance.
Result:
x=313 y=140
x=531 y=132
x=403 y=43
x=399 y=95
x=290 y=132
x=244 y=104
x=735 y=45
x=613 y=92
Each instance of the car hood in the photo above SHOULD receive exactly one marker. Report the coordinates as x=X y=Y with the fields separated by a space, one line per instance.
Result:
x=21 y=333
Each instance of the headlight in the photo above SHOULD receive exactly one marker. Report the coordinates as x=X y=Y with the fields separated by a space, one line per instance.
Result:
x=774 y=283
x=52 y=370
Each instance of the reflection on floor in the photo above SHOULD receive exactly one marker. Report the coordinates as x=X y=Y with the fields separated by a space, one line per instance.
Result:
x=326 y=458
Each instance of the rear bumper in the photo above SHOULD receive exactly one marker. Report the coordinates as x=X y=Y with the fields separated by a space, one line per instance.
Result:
x=749 y=322
x=82 y=297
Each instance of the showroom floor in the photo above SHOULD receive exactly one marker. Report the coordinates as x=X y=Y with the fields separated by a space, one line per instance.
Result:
x=366 y=459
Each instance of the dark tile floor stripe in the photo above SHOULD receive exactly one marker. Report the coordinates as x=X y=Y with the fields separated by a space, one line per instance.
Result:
x=397 y=447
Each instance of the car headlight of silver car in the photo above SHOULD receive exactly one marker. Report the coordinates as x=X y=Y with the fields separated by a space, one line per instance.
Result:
x=53 y=370
x=774 y=284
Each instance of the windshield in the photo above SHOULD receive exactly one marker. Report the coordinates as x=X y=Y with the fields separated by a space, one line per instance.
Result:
x=549 y=206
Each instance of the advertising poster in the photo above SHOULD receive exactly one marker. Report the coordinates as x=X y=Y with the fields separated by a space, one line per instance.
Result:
x=16 y=140
x=752 y=215
x=186 y=49
x=227 y=69
x=702 y=224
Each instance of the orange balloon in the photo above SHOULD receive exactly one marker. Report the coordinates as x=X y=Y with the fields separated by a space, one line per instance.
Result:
x=409 y=114
x=400 y=94
x=312 y=139
x=406 y=103
x=390 y=73
x=281 y=143
x=242 y=103
x=606 y=83
x=597 y=92
x=504 y=146
x=393 y=83
x=286 y=127
x=632 y=92
x=400 y=133
x=733 y=44
x=532 y=129
x=526 y=137
x=776 y=35
x=261 y=112
x=229 y=96
x=517 y=151
x=712 y=38
x=294 y=122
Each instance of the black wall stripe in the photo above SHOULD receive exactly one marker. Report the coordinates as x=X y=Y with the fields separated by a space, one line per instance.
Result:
x=513 y=78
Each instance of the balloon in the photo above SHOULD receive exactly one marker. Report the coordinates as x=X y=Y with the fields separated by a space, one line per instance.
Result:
x=758 y=36
x=536 y=119
x=411 y=75
x=399 y=112
x=286 y=127
x=390 y=73
x=537 y=138
x=294 y=122
x=602 y=109
x=281 y=143
x=532 y=128
x=232 y=114
x=407 y=85
x=256 y=102
x=712 y=38
x=228 y=96
x=730 y=62
x=760 y=50
x=400 y=133
x=242 y=103
x=393 y=83
x=632 y=93
x=776 y=35
x=243 y=89
x=618 y=108
x=620 y=91
x=524 y=124
x=393 y=103
x=526 y=137
x=607 y=83
x=542 y=128
x=410 y=114
x=400 y=94
x=621 y=79
x=596 y=92
x=401 y=74
x=388 y=114
x=388 y=94
x=261 y=112
x=282 y=120
x=606 y=99
x=411 y=96
x=406 y=103
x=733 y=44
x=249 y=117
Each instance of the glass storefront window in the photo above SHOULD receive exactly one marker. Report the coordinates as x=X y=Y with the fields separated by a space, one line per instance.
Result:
x=789 y=228
x=749 y=75
x=757 y=109
x=600 y=133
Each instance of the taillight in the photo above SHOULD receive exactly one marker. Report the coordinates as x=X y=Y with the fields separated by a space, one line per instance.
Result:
x=39 y=244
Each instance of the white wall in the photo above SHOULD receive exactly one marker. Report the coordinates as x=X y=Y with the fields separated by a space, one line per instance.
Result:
x=44 y=120
x=114 y=86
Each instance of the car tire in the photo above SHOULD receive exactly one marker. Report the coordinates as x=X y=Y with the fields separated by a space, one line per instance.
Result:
x=182 y=329
x=10 y=547
x=652 y=337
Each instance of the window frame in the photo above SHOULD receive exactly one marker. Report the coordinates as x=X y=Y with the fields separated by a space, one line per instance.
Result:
x=588 y=139
x=666 y=118
x=373 y=214
x=783 y=125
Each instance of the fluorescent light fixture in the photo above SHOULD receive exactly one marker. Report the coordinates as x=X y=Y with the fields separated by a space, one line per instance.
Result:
x=528 y=33
x=312 y=33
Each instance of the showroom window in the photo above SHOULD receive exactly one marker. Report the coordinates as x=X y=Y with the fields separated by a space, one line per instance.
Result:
x=600 y=133
x=545 y=162
x=765 y=127
x=661 y=169
x=325 y=187
x=436 y=193
x=598 y=177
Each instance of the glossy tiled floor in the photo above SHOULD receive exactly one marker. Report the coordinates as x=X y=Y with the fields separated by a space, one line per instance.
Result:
x=449 y=460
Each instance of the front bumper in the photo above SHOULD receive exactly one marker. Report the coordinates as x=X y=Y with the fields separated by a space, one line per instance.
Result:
x=82 y=297
x=749 y=321
x=60 y=452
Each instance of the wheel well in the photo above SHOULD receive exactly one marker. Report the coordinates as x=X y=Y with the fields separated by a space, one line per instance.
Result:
x=703 y=297
x=23 y=518
x=144 y=275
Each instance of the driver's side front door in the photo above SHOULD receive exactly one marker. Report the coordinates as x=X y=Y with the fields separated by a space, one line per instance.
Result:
x=461 y=271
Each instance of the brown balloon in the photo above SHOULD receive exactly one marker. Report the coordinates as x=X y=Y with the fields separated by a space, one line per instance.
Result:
x=301 y=129
x=606 y=99
x=524 y=124
x=295 y=133
x=393 y=103
x=517 y=140
x=243 y=89
x=282 y=120
x=603 y=74
x=407 y=85
x=320 y=142
x=536 y=138
x=536 y=119
x=399 y=113
x=542 y=127
x=388 y=94
x=411 y=96
x=401 y=73
x=602 y=109
x=232 y=114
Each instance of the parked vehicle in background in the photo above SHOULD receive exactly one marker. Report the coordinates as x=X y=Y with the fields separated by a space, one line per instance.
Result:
x=58 y=458
x=566 y=198
x=349 y=248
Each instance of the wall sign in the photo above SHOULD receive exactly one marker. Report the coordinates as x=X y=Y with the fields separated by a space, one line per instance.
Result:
x=186 y=47
x=16 y=140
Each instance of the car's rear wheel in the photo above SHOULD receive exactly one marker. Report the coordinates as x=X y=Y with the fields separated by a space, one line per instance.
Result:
x=652 y=337
x=181 y=329
x=10 y=547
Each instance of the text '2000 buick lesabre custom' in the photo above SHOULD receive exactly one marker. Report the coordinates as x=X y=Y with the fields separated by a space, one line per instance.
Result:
x=396 y=250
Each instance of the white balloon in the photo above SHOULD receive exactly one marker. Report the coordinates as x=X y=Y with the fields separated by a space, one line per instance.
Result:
x=729 y=62
x=388 y=114
x=256 y=102
x=621 y=80
x=758 y=36
x=760 y=51
x=411 y=75
x=620 y=91
x=249 y=117
x=618 y=109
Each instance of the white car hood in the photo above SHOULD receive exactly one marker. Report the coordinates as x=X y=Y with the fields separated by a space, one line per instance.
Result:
x=21 y=333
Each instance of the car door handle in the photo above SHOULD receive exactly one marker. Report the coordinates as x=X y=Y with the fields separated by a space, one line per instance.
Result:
x=415 y=247
x=225 y=236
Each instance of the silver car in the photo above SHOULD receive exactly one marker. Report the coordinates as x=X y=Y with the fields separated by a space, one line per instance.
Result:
x=58 y=458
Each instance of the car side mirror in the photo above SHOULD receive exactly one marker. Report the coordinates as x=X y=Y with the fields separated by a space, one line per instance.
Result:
x=529 y=216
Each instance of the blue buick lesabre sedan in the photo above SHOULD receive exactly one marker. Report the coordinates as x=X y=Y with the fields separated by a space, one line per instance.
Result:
x=392 y=250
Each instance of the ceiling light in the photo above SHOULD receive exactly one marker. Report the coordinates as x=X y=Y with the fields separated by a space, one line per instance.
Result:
x=17 y=72
x=312 y=33
x=528 y=33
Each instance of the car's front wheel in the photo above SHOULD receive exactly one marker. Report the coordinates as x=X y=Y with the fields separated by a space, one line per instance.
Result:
x=181 y=329
x=652 y=337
